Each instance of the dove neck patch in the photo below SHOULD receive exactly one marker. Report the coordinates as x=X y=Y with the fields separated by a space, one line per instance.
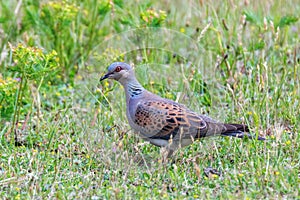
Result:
x=135 y=90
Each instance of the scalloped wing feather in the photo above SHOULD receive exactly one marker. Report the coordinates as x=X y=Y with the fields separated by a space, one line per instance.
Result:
x=166 y=120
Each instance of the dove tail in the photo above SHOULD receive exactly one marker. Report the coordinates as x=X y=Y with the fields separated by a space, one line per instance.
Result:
x=239 y=131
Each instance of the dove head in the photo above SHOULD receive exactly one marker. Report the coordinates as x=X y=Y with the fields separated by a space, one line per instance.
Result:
x=119 y=71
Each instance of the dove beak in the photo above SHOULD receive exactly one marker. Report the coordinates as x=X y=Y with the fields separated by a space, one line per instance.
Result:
x=105 y=76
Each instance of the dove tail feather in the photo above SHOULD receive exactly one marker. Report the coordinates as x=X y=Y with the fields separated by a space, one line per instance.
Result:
x=239 y=131
x=235 y=127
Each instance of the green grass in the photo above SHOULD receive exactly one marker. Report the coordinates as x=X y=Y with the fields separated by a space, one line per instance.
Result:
x=235 y=61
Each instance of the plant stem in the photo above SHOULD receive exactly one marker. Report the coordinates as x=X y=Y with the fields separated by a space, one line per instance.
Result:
x=16 y=109
x=38 y=104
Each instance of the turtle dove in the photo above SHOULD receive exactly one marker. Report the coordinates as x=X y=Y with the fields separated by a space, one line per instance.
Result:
x=163 y=122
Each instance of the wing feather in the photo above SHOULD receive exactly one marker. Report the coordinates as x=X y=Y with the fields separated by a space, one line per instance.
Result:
x=164 y=120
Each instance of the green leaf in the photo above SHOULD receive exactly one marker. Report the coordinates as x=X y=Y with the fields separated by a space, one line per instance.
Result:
x=257 y=46
x=119 y=3
x=104 y=8
x=3 y=19
x=287 y=21
x=252 y=18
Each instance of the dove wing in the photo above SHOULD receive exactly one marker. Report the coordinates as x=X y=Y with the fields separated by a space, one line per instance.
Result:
x=158 y=119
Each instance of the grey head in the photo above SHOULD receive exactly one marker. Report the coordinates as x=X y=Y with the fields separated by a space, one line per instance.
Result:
x=124 y=74
x=119 y=71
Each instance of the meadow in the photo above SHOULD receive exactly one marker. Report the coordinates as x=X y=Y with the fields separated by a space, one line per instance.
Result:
x=64 y=135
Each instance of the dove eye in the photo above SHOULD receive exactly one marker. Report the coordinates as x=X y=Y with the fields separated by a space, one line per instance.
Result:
x=118 y=68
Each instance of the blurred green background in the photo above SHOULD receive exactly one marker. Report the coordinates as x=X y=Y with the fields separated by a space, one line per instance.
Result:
x=64 y=135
